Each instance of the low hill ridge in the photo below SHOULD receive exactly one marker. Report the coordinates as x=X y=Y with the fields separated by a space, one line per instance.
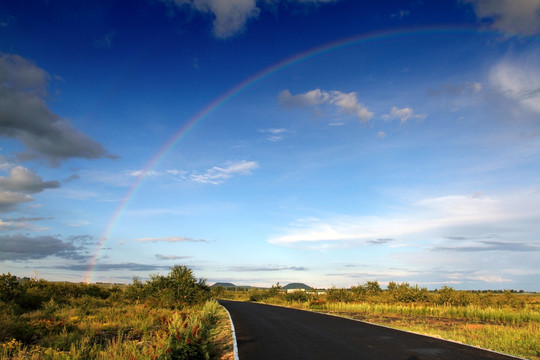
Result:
x=292 y=286
x=224 y=284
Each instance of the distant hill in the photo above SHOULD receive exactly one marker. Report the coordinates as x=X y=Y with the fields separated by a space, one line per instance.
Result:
x=292 y=286
x=224 y=284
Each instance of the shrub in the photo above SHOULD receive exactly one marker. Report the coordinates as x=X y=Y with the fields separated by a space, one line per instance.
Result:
x=339 y=295
x=296 y=296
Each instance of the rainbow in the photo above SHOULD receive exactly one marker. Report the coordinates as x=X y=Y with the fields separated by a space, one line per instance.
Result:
x=238 y=89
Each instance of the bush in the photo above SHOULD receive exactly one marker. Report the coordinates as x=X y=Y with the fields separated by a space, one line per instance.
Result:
x=296 y=296
x=339 y=295
x=179 y=287
x=406 y=293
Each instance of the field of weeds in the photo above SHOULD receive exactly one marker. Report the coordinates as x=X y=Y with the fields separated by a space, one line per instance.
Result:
x=44 y=320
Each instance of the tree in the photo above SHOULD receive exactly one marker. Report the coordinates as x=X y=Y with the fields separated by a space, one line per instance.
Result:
x=180 y=285
x=8 y=287
x=373 y=288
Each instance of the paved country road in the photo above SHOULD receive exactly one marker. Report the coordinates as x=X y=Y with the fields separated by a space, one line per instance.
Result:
x=277 y=333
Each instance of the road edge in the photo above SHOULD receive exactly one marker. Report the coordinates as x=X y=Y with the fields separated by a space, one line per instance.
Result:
x=235 y=345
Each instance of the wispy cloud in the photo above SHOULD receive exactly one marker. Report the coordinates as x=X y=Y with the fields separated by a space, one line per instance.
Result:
x=485 y=245
x=465 y=88
x=268 y=268
x=110 y=267
x=346 y=102
x=432 y=218
x=170 y=239
x=22 y=223
x=171 y=257
x=275 y=134
x=22 y=247
x=218 y=174
x=401 y=14
x=519 y=80
x=403 y=114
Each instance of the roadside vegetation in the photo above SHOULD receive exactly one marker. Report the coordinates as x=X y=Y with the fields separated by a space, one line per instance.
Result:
x=168 y=317
x=503 y=321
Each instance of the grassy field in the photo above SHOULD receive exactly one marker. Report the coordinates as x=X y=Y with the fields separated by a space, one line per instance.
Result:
x=507 y=322
x=175 y=317
x=44 y=320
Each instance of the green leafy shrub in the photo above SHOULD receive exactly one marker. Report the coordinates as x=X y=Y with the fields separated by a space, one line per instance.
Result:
x=297 y=296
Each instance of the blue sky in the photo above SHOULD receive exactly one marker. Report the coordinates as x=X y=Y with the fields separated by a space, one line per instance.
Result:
x=317 y=141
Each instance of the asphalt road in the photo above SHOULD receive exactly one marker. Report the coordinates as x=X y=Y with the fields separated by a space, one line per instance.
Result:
x=271 y=332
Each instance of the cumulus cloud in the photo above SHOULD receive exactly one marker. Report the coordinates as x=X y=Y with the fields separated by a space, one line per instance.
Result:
x=26 y=181
x=514 y=17
x=519 y=80
x=16 y=187
x=403 y=114
x=170 y=239
x=217 y=175
x=230 y=16
x=21 y=247
x=347 y=102
x=24 y=116
x=9 y=200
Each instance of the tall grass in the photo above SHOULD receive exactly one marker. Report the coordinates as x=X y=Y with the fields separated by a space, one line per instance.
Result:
x=118 y=332
x=474 y=312
x=43 y=320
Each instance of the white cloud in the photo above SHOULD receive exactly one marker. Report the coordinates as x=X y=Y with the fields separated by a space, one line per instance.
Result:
x=347 y=102
x=170 y=239
x=171 y=257
x=403 y=114
x=230 y=16
x=217 y=175
x=273 y=131
x=519 y=80
x=517 y=17
x=431 y=218
x=276 y=133
x=466 y=88
x=381 y=134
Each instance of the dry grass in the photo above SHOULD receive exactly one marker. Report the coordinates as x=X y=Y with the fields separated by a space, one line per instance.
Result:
x=222 y=336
